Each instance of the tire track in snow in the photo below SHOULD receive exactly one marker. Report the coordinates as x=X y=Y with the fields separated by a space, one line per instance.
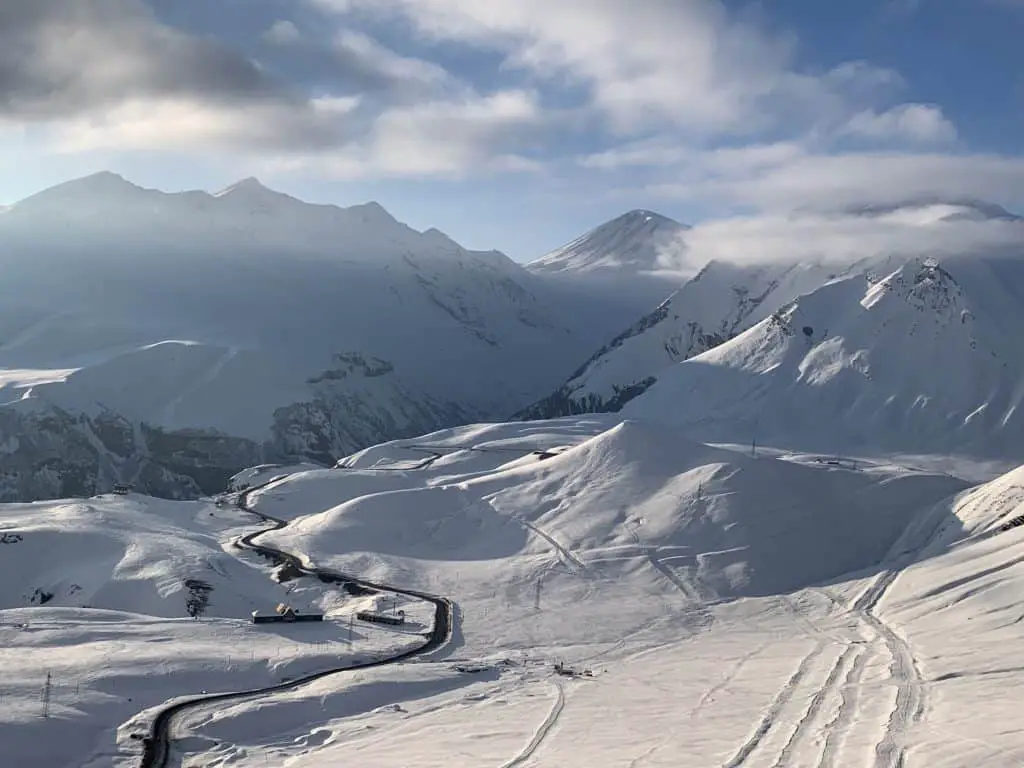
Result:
x=911 y=692
x=904 y=671
x=542 y=731
x=781 y=699
x=839 y=727
x=805 y=725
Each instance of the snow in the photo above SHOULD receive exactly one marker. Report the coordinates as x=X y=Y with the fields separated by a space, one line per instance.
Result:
x=114 y=570
x=924 y=360
x=788 y=551
x=641 y=241
x=718 y=303
x=731 y=609
x=628 y=265
x=162 y=307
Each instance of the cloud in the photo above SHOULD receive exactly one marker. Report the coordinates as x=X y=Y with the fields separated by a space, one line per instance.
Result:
x=448 y=138
x=679 y=99
x=844 y=238
x=108 y=75
x=283 y=32
x=382 y=68
x=811 y=180
x=692 y=65
x=917 y=122
x=60 y=59
x=183 y=124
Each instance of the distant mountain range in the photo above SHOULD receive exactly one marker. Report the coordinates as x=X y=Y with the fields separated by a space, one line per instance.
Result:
x=169 y=340
x=172 y=339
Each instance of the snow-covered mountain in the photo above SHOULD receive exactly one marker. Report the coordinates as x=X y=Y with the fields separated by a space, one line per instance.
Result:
x=213 y=329
x=636 y=241
x=721 y=301
x=629 y=264
x=605 y=572
x=926 y=359
x=623 y=553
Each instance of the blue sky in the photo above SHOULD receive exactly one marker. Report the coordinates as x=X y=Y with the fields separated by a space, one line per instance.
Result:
x=518 y=125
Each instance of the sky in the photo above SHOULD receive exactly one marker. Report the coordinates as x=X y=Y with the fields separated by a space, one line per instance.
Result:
x=519 y=125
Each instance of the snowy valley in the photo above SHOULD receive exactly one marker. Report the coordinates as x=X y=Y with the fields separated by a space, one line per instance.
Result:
x=776 y=519
x=608 y=579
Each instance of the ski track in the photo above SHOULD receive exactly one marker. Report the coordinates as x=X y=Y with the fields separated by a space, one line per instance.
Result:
x=710 y=693
x=805 y=725
x=542 y=731
x=911 y=692
x=839 y=727
x=904 y=672
x=781 y=699
x=564 y=553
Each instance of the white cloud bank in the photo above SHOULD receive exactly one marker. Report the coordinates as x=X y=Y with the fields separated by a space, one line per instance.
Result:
x=674 y=99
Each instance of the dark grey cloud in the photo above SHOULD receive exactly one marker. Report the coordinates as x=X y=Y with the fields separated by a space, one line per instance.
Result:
x=59 y=57
x=64 y=59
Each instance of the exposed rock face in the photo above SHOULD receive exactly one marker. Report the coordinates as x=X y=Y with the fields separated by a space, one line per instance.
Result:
x=47 y=452
x=349 y=410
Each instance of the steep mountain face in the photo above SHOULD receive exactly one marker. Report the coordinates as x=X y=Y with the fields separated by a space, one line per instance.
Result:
x=248 y=325
x=926 y=359
x=721 y=301
x=627 y=265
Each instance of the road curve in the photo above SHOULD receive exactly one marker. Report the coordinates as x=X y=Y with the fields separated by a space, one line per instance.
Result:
x=157 y=744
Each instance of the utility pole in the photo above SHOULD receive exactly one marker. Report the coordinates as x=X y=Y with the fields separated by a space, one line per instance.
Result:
x=536 y=599
x=351 y=623
x=46 y=695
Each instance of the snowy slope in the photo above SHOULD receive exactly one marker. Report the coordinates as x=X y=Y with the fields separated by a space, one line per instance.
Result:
x=298 y=329
x=627 y=266
x=721 y=301
x=621 y=554
x=637 y=241
x=97 y=593
x=959 y=609
x=925 y=360
x=733 y=611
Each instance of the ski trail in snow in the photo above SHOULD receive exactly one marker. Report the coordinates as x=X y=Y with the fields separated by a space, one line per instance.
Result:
x=805 y=725
x=911 y=692
x=709 y=695
x=838 y=728
x=781 y=699
x=564 y=553
x=542 y=731
x=904 y=671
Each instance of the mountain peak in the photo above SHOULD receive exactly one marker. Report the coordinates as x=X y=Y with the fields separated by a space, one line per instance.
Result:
x=99 y=188
x=637 y=241
x=247 y=186
x=644 y=215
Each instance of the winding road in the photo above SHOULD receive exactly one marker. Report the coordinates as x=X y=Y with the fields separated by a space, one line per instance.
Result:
x=157 y=744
